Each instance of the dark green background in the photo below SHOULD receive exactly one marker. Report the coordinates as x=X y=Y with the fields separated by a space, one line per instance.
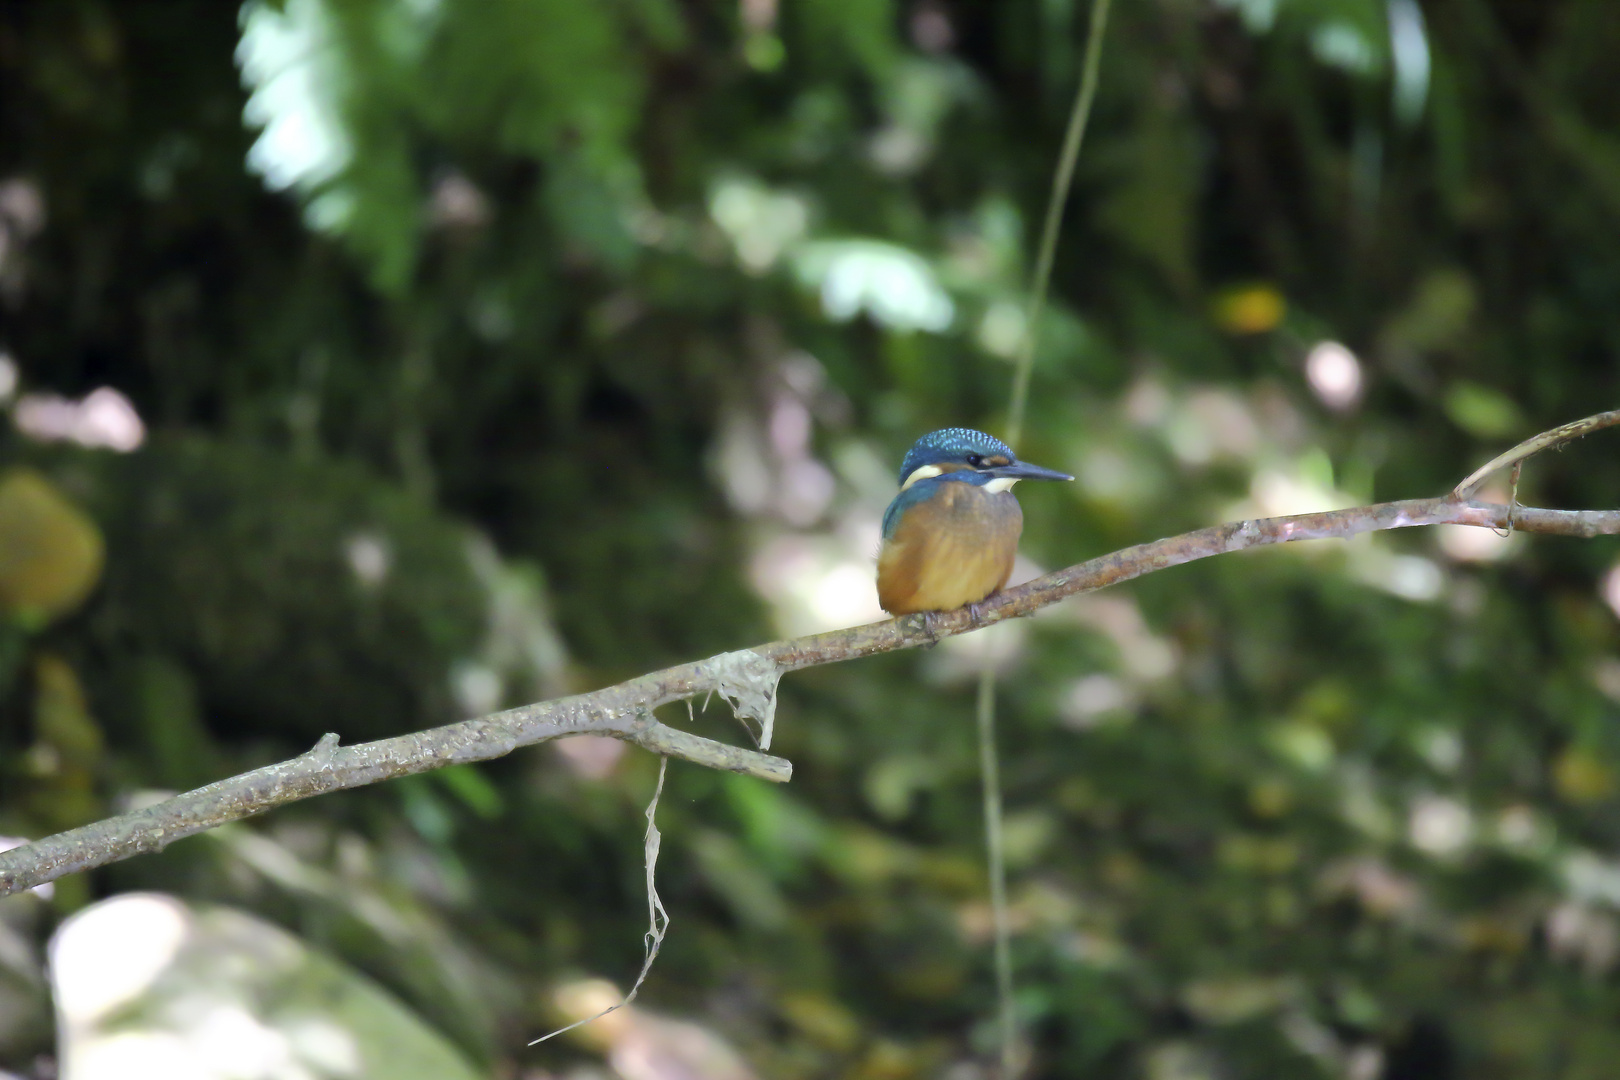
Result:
x=1219 y=876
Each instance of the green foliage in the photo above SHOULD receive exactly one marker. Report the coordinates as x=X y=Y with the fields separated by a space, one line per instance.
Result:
x=649 y=297
x=306 y=597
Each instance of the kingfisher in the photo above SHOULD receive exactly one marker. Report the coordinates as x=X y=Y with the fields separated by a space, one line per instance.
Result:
x=950 y=536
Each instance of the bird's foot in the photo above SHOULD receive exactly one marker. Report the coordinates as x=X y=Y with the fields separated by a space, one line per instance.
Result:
x=925 y=622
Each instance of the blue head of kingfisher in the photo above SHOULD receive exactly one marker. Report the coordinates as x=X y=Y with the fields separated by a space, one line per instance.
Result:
x=951 y=535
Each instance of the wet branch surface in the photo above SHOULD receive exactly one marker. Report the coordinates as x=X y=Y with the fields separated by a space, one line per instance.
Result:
x=747 y=679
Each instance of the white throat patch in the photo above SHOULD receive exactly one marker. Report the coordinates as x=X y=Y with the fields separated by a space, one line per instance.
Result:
x=922 y=472
x=1000 y=484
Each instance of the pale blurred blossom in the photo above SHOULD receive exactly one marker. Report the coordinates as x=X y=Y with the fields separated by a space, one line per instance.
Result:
x=645 y=1045
x=766 y=464
x=1147 y=402
x=1334 y=375
x=803 y=374
x=1212 y=423
x=1257 y=15
x=8 y=377
x=1470 y=543
x=1107 y=474
x=1611 y=588
x=816 y=583
x=1584 y=934
x=1410 y=577
x=1093 y=700
x=1305 y=745
x=590 y=756
x=478 y=688
x=964 y=657
x=790 y=427
x=1590 y=878
x=1312 y=1038
x=1364 y=1062
x=1361 y=805
x=759 y=15
x=1024 y=570
x=807 y=488
x=1374 y=884
x=1001 y=329
x=1234 y=999
x=844 y=596
x=22 y=207
x=370 y=557
x=862 y=534
x=1092 y=948
x=22 y=216
x=1606 y=677
x=742 y=460
x=1179 y=1060
x=103 y=418
x=898 y=150
x=1342 y=44
x=1144 y=656
x=1440 y=826
x=1281 y=493
x=761 y=224
x=931 y=29
x=457 y=202
x=1441 y=748
x=1522 y=829
x=780 y=563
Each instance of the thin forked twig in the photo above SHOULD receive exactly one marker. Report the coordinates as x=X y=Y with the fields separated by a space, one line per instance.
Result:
x=1535 y=445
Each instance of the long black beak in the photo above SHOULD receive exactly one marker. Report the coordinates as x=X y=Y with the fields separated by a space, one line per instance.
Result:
x=1023 y=470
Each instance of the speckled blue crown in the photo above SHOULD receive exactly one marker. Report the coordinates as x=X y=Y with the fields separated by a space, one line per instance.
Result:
x=951 y=444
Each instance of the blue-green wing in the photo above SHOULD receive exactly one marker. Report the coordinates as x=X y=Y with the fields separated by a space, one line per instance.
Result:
x=919 y=492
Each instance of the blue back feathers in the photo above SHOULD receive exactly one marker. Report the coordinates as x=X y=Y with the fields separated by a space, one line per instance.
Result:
x=951 y=444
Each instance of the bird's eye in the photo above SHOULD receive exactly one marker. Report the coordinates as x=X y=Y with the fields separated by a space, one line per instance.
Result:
x=975 y=460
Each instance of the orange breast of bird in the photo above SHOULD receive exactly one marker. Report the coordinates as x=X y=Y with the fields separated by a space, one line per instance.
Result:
x=953 y=549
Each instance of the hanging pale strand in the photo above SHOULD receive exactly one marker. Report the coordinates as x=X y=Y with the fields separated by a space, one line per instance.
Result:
x=657 y=917
x=989 y=766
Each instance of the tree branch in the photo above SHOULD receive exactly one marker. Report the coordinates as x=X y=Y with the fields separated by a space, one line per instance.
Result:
x=1534 y=445
x=746 y=678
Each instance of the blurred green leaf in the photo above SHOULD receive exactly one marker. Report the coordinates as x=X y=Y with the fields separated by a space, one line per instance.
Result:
x=1482 y=411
